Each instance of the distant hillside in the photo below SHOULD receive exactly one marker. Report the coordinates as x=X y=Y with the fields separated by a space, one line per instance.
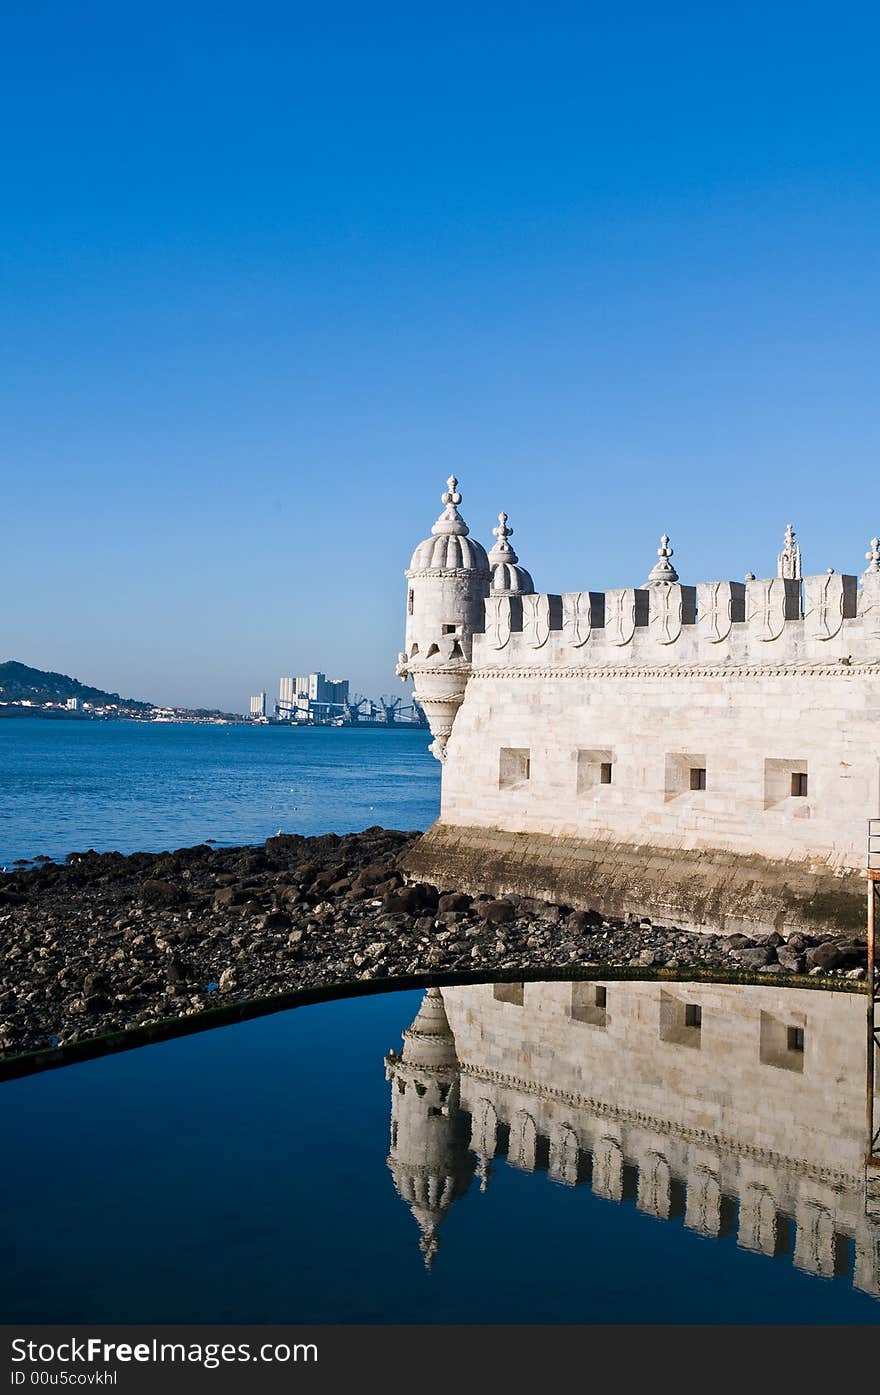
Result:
x=19 y=682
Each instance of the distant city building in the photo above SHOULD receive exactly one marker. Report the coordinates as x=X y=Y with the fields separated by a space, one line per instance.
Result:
x=258 y=705
x=286 y=696
x=74 y=704
x=300 y=697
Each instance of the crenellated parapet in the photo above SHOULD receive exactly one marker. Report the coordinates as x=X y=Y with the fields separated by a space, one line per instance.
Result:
x=764 y=621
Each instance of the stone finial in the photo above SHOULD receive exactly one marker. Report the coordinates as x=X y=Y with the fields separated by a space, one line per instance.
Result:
x=788 y=563
x=450 y=521
x=873 y=557
x=662 y=570
x=502 y=551
x=749 y=576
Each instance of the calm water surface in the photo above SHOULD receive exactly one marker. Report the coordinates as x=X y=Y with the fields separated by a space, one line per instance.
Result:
x=68 y=786
x=543 y=1160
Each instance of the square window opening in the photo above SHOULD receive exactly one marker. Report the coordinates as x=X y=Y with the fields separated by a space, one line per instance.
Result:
x=508 y=993
x=684 y=771
x=514 y=767
x=785 y=780
x=588 y=1004
x=680 y=1022
x=594 y=768
x=781 y=1043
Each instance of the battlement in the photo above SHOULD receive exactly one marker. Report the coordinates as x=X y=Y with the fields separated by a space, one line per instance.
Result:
x=762 y=621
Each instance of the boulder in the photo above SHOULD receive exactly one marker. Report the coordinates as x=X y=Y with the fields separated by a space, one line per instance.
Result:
x=500 y=912
x=836 y=954
x=156 y=892
x=756 y=956
x=454 y=901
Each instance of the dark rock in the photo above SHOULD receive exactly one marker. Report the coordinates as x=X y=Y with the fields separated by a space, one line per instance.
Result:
x=836 y=954
x=161 y=893
x=454 y=901
x=500 y=912
x=404 y=898
x=275 y=920
x=756 y=956
x=739 y=942
x=582 y=922
x=791 y=958
x=229 y=896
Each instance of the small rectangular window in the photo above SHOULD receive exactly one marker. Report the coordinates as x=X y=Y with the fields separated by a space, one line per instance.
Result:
x=698 y=777
x=509 y=993
x=450 y=629
x=693 y=1015
x=410 y=601
x=799 y=785
x=795 y=1038
x=605 y=773
x=514 y=767
x=588 y=1004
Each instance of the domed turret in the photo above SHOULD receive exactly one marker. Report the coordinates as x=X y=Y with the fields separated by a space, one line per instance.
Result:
x=448 y=582
x=429 y=1158
x=507 y=577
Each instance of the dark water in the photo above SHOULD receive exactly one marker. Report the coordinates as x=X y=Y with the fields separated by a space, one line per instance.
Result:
x=242 y=1175
x=67 y=786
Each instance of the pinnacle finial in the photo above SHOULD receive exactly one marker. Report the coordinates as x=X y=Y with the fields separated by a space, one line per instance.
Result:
x=873 y=557
x=451 y=496
x=502 y=532
x=788 y=563
x=663 y=570
x=450 y=520
x=502 y=551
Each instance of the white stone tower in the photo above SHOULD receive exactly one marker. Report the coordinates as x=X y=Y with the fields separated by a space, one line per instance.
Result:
x=429 y=1158
x=448 y=582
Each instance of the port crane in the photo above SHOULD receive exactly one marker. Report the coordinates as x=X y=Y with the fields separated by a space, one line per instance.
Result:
x=359 y=711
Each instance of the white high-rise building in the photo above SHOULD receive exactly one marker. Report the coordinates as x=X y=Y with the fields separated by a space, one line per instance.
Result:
x=258 y=705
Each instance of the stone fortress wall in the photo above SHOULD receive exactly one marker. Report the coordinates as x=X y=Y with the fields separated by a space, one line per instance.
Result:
x=707 y=754
x=739 y=1109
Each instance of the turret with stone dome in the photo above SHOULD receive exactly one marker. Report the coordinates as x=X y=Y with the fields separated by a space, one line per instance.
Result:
x=508 y=577
x=448 y=582
x=429 y=1158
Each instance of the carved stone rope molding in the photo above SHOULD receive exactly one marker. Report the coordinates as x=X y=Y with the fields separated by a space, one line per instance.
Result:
x=700 y=1137
x=869 y=670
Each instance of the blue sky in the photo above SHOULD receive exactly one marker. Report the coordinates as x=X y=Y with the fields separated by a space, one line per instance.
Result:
x=268 y=273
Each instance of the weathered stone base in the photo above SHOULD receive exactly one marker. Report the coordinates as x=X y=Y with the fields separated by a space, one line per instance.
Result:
x=696 y=890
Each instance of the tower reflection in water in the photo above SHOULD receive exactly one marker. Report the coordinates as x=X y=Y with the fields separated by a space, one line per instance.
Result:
x=732 y=1107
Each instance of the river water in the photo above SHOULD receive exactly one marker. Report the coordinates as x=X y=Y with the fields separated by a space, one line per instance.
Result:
x=136 y=786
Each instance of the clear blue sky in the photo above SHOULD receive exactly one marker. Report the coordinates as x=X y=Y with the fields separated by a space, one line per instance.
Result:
x=271 y=271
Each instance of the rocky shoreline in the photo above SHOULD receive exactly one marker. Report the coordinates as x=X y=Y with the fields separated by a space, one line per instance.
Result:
x=106 y=943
